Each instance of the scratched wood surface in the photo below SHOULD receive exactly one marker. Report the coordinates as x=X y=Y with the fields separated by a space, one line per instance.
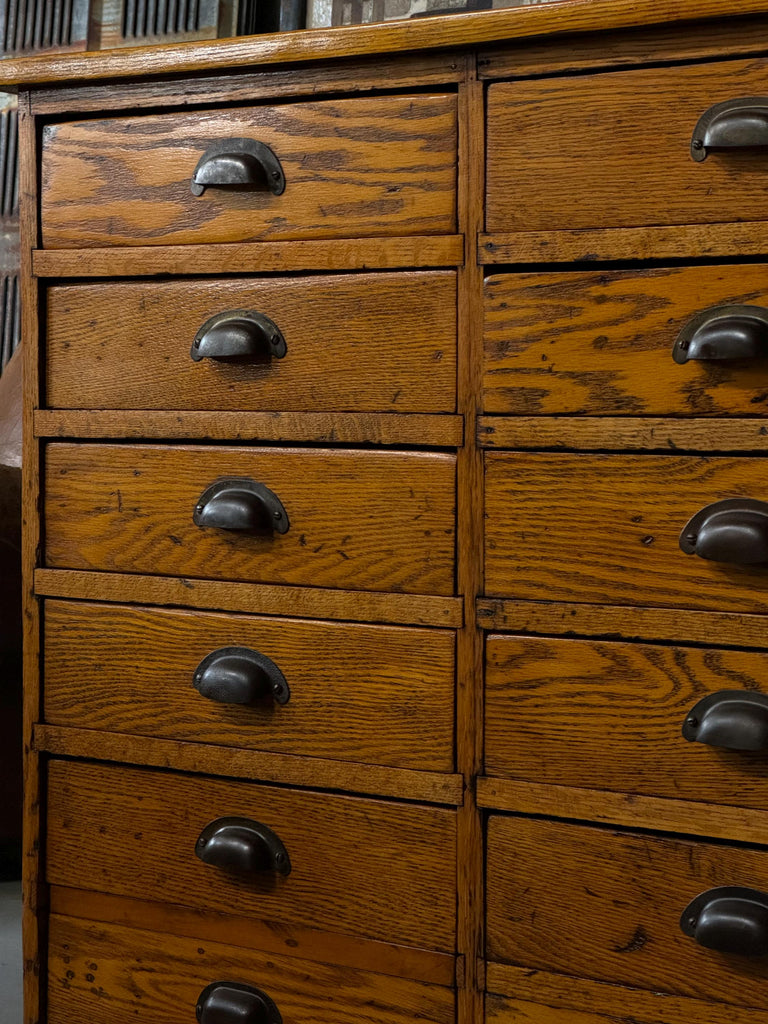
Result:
x=600 y=342
x=609 y=716
x=361 y=166
x=606 y=905
x=613 y=150
x=107 y=972
x=361 y=867
x=605 y=529
x=378 y=694
x=361 y=343
x=379 y=520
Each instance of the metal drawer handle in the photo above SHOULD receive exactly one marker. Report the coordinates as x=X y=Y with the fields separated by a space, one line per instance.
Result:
x=239 y=503
x=733 y=124
x=234 y=163
x=240 y=334
x=226 y=1002
x=734 y=530
x=735 y=719
x=239 y=844
x=238 y=675
x=724 y=332
x=729 y=919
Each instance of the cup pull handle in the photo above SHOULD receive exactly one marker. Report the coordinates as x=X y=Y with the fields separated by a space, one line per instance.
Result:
x=238 y=675
x=238 y=163
x=734 y=719
x=240 y=504
x=734 y=530
x=242 y=845
x=729 y=919
x=226 y=1002
x=239 y=334
x=733 y=124
x=723 y=333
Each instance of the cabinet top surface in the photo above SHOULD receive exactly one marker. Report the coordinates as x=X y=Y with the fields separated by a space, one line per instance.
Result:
x=460 y=30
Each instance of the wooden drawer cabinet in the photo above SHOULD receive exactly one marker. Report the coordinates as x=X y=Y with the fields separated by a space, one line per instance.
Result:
x=361 y=166
x=396 y=537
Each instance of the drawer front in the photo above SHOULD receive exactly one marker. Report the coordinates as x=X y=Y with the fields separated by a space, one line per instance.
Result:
x=358 y=342
x=377 y=694
x=102 y=973
x=601 y=342
x=607 y=906
x=382 y=165
x=609 y=716
x=371 y=520
x=605 y=529
x=359 y=867
x=614 y=150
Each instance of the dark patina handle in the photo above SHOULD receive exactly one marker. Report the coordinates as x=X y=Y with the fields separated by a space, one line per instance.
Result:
x=733 y=124
x=238 y=675
x=239 y=844
x=227 y=1002
x=736 y=719
x=239 y=503
x=724 y=332
x=729 y=919
x=234 y=163
x=734 y=530
x=240 y=334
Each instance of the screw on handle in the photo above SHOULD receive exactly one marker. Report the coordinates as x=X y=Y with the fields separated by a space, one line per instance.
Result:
x=239 y=675
x=227 y=1002
x=238 y=163
x=734 y=530
x=241 y=335
x=240 y=504
x=729 y=919
x=243 y=846
x=733 y=124
x=734 y=719
x=733 y=332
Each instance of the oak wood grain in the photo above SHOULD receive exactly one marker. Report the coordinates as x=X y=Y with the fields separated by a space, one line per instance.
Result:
x=239 y=763
x=344 y=337
x=605 y=529
x=597 y=343
x=605 y=905
x=582 y=181
x=360 y=867
x=384 y=520
x=609 y=716
x=111 y=971
x=353 y=167
x=376 y=694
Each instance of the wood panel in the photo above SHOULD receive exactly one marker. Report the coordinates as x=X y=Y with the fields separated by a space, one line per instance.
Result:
x=606 y=905
x=609 y=716
x=108 y=970
x=612 y=129
x=384 y=520
x=605 y=528
x=343 y=334
x=353 y=167
x=377 y=694
x=353 y=861
x=600 y=343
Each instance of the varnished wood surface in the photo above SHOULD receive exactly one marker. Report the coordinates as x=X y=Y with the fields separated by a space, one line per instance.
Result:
x=605 y=528
x=344 y=336
x=609 y=716
x=265 y=599
x=377 y=694
x=551 y=19
x=622 y=433
x=252 y=257
x=541 y=997
x=238 y=763
x=600 y=343
x=605 y=905
x=266 y=936
x=384 y=520
x=612 y=129
x=353 y=861
x=630 y=810
x=353 y=167
x=107 y=970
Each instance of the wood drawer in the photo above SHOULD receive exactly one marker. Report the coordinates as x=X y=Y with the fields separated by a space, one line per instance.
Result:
x=607 y=905
x=605 y=529
x=609 y=716
x=359 y=867
x=102 y=973
x=376 y=694
x=383 y=165
x=344 y=336
x=600 y=343
x=363 y=519
x=614 y=150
